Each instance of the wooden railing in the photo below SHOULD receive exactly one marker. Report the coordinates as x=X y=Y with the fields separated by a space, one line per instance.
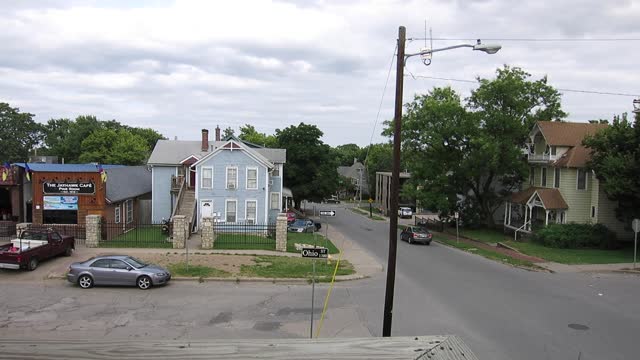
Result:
x=180 y=194
x=176 y=182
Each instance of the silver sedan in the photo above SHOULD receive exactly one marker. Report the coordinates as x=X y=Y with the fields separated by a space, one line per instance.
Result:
x=117 y=270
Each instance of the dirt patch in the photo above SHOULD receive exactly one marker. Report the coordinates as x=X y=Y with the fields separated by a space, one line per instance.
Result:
x=228 y=263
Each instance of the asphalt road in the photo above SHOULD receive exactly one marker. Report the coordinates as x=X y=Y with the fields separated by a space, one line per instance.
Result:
x=500 y=311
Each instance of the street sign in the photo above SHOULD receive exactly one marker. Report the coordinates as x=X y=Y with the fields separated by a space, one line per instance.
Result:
x=636 y=225
x=370 y=200
x=316 y=253
x=327 y=213
x=456 y=215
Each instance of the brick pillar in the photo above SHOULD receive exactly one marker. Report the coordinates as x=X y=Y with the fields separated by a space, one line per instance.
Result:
x=20 y=227
x=179 y=231
x=93 y=230
x=281 y=232
x=208 y=236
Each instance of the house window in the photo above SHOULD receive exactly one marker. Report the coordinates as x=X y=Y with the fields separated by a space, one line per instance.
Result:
x=231 y=207
x=275 y=200
x=117 y=215
x=593 y=211
x=553 y=150
x=556 y=177
x=251 y=211
x=532 y=175
x=276 y=171
x=582 y=179
x=252 y=178
x=129 y=210
x=544 y=176
x=207 y=178
x=232 y=178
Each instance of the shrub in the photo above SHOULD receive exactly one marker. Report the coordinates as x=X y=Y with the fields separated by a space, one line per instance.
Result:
x=576 y=236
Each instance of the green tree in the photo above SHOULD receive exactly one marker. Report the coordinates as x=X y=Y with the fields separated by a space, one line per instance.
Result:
x=473 y=149
x=109 y=146
x=379 y=157
x=311 y=171
x=250 y=134
x=616 y=161
x=19 y=134
x=345 y=154
x=63 y=136
x=227 y=132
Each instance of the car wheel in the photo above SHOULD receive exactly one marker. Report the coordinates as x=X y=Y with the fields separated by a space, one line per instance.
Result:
x=144 y=282
x=409 y=240
x=428 y=243
x=68 y=251
x=33 y=264
x=85 y=281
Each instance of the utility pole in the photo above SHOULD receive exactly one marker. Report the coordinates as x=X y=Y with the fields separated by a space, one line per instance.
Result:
x=395 y=181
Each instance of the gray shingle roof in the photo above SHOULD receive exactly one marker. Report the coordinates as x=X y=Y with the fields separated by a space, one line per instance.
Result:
x=127 y=182
x=172 y=152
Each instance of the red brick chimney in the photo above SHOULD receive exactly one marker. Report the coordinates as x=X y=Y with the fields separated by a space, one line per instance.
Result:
x=217 y=133
x=205 y=140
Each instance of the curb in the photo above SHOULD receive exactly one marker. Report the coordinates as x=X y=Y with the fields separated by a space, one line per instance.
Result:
x=341 y=278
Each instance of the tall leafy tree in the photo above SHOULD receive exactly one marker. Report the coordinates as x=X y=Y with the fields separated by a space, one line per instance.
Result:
x=19 y=134
x=378 y=158
x=250 y=134
x=109 y=146
x=64 y=136
x=310 y=171
x=227 y=132
x=473 y=150
x=345 y=154
x=615 y=160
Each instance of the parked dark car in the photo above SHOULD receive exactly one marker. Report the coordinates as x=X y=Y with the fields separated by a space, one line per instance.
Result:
x=304 y=225
x=416 y=234
x=34 y=246
x=117 y=270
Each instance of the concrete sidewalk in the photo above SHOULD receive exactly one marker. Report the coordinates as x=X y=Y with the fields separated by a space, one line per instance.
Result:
x=597 y=268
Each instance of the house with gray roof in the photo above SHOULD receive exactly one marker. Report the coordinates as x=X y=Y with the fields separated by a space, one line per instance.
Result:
x=357 y=174
x=231 y=180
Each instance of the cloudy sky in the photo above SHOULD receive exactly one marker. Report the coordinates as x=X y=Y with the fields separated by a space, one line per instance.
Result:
x=179 y=66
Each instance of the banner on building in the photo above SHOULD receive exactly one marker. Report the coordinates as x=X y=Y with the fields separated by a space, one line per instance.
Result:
x=61 y=203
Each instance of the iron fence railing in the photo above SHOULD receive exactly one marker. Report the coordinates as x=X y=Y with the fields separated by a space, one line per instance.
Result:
x=79 y=232
x=135 y=235
x=245 y=236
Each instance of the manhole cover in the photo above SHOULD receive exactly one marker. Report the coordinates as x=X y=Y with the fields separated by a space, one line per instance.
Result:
x=578 y=327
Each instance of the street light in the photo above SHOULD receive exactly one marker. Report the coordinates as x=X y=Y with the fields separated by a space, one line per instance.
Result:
x=395 y=174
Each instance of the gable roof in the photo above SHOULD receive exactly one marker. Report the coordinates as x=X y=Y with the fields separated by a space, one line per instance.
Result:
x=351 y=171
x=172 y=152
x=127 y=182
x=571 y=135
x=234 y=144
x=551 y=198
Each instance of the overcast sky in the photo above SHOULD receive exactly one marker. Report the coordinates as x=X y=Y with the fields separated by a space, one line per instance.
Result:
x=180 y=66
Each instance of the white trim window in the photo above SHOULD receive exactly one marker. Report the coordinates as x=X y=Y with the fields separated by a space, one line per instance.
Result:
x=251 y=211
x=232 y=177
x=556 y=178
x=206 y=177
x=276 y=170
x=532 y=175
x=116 y=214
x=581 y=179
x=252 y=178
x=544 y=177
x=128 y=205
x=231 y=210
x=275 y=200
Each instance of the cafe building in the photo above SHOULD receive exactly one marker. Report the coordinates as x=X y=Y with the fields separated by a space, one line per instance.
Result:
x=67 y=193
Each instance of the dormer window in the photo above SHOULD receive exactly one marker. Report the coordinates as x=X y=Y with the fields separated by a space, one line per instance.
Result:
x=553 y=150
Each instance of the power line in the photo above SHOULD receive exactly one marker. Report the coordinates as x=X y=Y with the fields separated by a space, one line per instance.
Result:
x=530 y=39
x=559 y=89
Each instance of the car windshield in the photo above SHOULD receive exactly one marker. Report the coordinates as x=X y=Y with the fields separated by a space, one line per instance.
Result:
x=300 y=222
x=135 y=262
x=420 y=230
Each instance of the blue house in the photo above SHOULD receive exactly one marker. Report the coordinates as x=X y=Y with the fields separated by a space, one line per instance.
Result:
x=231 y=180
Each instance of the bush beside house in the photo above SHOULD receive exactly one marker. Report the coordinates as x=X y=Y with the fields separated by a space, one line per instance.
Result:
x=576 y=236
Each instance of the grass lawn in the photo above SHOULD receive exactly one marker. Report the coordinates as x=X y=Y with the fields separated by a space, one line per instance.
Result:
x=180 y=269
x=366 y=212
x=575 y=256
x=308 y=238
x=288 y=267
x=243 y=242
x=482 y=235
x=140 y=237
x=484 y=252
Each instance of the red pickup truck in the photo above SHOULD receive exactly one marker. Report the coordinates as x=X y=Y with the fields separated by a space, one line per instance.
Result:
x=33 y=246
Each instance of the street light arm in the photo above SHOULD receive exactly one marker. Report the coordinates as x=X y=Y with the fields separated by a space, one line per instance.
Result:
x=431 y=51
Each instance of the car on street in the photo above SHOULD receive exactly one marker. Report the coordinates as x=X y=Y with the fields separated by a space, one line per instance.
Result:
x=34 y=246
x=332 y=200
x=405 y=212
x=117 y=270
x=416 y=234
x=304 y=226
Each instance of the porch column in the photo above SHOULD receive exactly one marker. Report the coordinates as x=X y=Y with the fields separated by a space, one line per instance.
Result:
x=546 y=217
x=509 y=219
x=526 y=213
x=506 y=212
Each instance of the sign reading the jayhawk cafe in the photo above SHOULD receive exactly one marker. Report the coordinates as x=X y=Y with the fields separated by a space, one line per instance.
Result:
x=69 y=188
